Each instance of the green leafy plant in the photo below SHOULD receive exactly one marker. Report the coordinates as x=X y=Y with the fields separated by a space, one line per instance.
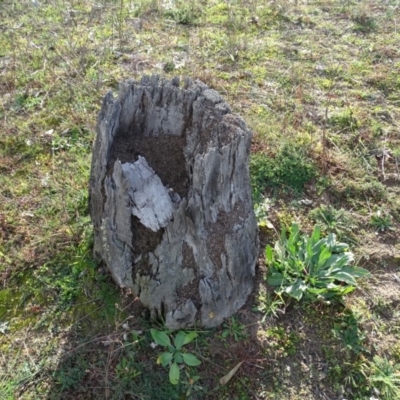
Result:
x=235 y=329
x=175 y=355
x=355 y=374
x=6 y=388
x=360 y=188
x=318 y=268
x=271 y=305
x=348 y=330
x=332 y=220
x=126 y=369
x=191 y=385
x=71 y=374
x=385 y=376
x=381 y=221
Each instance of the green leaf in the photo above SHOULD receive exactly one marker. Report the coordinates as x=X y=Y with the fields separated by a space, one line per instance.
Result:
x=340 y=290
x=269 y=255
x=331 y=240
x=317 y=291
x=178 y=357
x=190 y=337
x=294 y=233
x=297 y=289
x=316 y=234
x=276 y=279
x=338 y=261
x=266 y=224
x=179 y=339
x=160 y=337
x=191 y=360
x=323 y=256
x=174 y=374
x=309 y=249
x=340 y=247
x=357 y=272
x=344 y=277
x=164 y=359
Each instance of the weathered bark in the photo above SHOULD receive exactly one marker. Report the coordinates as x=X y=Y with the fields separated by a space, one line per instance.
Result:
x=170 y=200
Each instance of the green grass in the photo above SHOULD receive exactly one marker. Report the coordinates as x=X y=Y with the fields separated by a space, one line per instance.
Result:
x=289 y=170
x=318 y=83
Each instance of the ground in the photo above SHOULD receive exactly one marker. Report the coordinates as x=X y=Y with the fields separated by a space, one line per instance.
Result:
x=317 y=82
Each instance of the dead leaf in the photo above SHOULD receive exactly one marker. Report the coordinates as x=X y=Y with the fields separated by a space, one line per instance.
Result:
x=225 y=379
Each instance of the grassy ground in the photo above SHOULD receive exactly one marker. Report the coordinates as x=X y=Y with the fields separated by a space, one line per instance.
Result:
x=319 y=84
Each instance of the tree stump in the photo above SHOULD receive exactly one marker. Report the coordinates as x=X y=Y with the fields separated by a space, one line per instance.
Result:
x=170 y=200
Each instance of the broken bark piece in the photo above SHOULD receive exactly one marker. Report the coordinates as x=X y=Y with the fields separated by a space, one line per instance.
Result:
x=170 y=200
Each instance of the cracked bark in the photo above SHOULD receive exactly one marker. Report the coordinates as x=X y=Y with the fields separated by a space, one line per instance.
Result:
x=170 y=200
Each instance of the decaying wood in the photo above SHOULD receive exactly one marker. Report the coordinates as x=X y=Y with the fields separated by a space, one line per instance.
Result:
x=171 y=201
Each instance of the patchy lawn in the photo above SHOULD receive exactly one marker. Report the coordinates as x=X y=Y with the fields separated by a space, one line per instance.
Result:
x=319 y=84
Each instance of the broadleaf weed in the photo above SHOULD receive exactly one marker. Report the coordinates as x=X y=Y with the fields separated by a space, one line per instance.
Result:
x=174 y=356
x=319 y=268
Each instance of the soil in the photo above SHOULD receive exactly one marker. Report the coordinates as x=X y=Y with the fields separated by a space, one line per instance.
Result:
x=163 y=153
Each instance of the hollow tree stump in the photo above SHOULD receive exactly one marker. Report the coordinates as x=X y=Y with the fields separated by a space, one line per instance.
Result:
x=170 y=200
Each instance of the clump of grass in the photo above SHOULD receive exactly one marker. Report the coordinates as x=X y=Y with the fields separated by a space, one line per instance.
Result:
x=385 y=377
x=332 y=220
x=345 y=121
x=348 y=330
x=381 y=221
x=184 y=12
x=361 y=188
x=364 y=23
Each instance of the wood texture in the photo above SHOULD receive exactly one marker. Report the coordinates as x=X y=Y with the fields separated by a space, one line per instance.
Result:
x=170 y=200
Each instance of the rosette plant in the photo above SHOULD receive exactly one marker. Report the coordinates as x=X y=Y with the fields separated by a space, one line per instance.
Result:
x=175 y=355
x=311 y=266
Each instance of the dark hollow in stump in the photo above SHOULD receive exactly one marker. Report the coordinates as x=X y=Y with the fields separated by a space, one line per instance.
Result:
x=170 y=200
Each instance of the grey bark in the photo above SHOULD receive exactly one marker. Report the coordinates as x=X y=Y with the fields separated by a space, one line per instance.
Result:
x=170 y=200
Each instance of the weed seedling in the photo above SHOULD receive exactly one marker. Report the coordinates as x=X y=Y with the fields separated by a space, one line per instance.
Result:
x=364 y=23
x=126 y=368
x=332 y=220
x=348 y=330
x=271 y=305
x=175 y=355
x=235 y=329
x=381 y=221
